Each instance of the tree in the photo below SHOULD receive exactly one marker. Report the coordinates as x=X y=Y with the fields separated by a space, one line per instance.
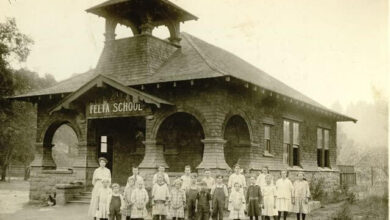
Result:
x=14 y=47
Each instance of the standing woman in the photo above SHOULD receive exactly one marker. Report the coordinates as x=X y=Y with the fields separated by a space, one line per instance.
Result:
x=301 y=196
x=101 y=173
x=284 y=194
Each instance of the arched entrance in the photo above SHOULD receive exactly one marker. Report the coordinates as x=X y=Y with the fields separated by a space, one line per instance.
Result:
x=180 y=134
x=237 y=137
x=59 y=144
x=64 y=149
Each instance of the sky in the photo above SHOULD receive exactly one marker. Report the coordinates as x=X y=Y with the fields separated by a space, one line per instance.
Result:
x=330 y=50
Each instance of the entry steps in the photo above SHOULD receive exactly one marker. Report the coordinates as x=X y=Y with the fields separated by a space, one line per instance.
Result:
x=83 y=198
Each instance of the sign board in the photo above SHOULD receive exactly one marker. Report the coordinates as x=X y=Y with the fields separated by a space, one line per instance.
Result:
x=111 y=108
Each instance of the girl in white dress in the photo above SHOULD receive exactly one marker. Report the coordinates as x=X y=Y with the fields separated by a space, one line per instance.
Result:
x=237 y=203
x=98 y=175
x=269 y=197
x=237 y=177
x=261 y=178
x=103 y=198
x=284 y=194
x=301 y=196
x=139 y=198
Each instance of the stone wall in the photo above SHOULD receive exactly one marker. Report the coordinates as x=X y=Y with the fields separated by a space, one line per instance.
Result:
x=42 y=182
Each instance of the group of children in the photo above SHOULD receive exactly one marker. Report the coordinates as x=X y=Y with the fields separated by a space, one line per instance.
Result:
x=203 y=200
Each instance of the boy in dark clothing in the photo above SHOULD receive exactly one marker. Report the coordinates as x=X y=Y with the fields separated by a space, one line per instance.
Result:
x=116 y=203
x=191 y=194
x=203 y=203
x=219 y=193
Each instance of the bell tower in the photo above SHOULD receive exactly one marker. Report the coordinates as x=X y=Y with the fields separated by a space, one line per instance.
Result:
x=142 y=16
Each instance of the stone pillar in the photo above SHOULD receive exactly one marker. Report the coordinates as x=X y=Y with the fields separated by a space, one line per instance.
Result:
x=43 y=157
x=213 y=154
x=154 y=156
x=80 y=164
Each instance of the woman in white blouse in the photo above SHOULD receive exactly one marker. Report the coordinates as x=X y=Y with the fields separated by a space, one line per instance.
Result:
x=100 y=173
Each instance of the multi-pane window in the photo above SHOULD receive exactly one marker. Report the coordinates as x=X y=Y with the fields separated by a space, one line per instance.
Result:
x=267 y=138
x=323 y=147
x=103 y=144
x=291 y=146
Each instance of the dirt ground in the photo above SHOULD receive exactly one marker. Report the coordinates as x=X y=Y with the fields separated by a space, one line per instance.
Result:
x=14 y=206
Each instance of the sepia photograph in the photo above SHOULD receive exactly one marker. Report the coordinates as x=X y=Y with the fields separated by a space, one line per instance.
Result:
x=194 y=110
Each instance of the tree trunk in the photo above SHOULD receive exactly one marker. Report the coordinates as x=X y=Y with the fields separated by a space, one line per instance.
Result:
x=3 y=172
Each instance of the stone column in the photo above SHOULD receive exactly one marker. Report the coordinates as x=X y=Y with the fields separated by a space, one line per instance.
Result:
x=43 y=157
x=154 y=156
x=213 y=154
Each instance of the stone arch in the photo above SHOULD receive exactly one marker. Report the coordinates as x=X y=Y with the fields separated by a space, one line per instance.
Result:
x=181 y=135
x=46 y=137
x=236 y=132
x=244 y=116
x=184 y=109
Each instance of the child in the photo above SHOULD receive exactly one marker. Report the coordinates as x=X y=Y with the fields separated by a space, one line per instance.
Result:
x=269 y=198
x=137 y=178
x=237 y=177
x=191 y=194
x=115 y=203
x=161 y=171
x=160 y=199
x=253 y=199
x=103 y=200
x=261 y=178
x=139 y=198
x=203 y=203
x=186 y=178
x=126 y=211
x=301 y=196
x=219 y=194
x=178 y=201
x=236 y=203
x=284 y=193
x=208 y=179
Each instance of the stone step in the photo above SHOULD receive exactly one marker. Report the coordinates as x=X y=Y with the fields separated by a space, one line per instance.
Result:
x=80 y=201
x=82 y=197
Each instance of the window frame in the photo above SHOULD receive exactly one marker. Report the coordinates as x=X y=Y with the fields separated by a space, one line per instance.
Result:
x=293 y=145
x=103 y=143
x=323 y=152
x=267 y=141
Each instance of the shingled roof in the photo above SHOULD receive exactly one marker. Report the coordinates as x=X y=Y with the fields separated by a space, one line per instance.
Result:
x=196 y=59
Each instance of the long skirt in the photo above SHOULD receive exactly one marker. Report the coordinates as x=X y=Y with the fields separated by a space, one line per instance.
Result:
x=283 y=204
x=300 y=206
x=268 y=209
x=94 y=199
x=254 y=208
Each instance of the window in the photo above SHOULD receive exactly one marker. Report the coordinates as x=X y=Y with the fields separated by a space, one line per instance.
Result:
x=286 y=141
x=295 y=159
x=319 y=147
x=326 y=148
x=103 y=144
x=291 y=146
x=323 y=147
x=267 y=138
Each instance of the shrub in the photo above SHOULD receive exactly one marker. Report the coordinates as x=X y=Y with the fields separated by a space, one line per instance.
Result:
x=344 y=213
x=317 y=188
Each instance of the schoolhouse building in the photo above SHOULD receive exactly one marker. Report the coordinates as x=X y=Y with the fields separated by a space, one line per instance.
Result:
x=175 y=102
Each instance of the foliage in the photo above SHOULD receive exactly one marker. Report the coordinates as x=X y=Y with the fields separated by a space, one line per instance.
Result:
x=344 y=213
x=317 y=186
x=17 y=120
